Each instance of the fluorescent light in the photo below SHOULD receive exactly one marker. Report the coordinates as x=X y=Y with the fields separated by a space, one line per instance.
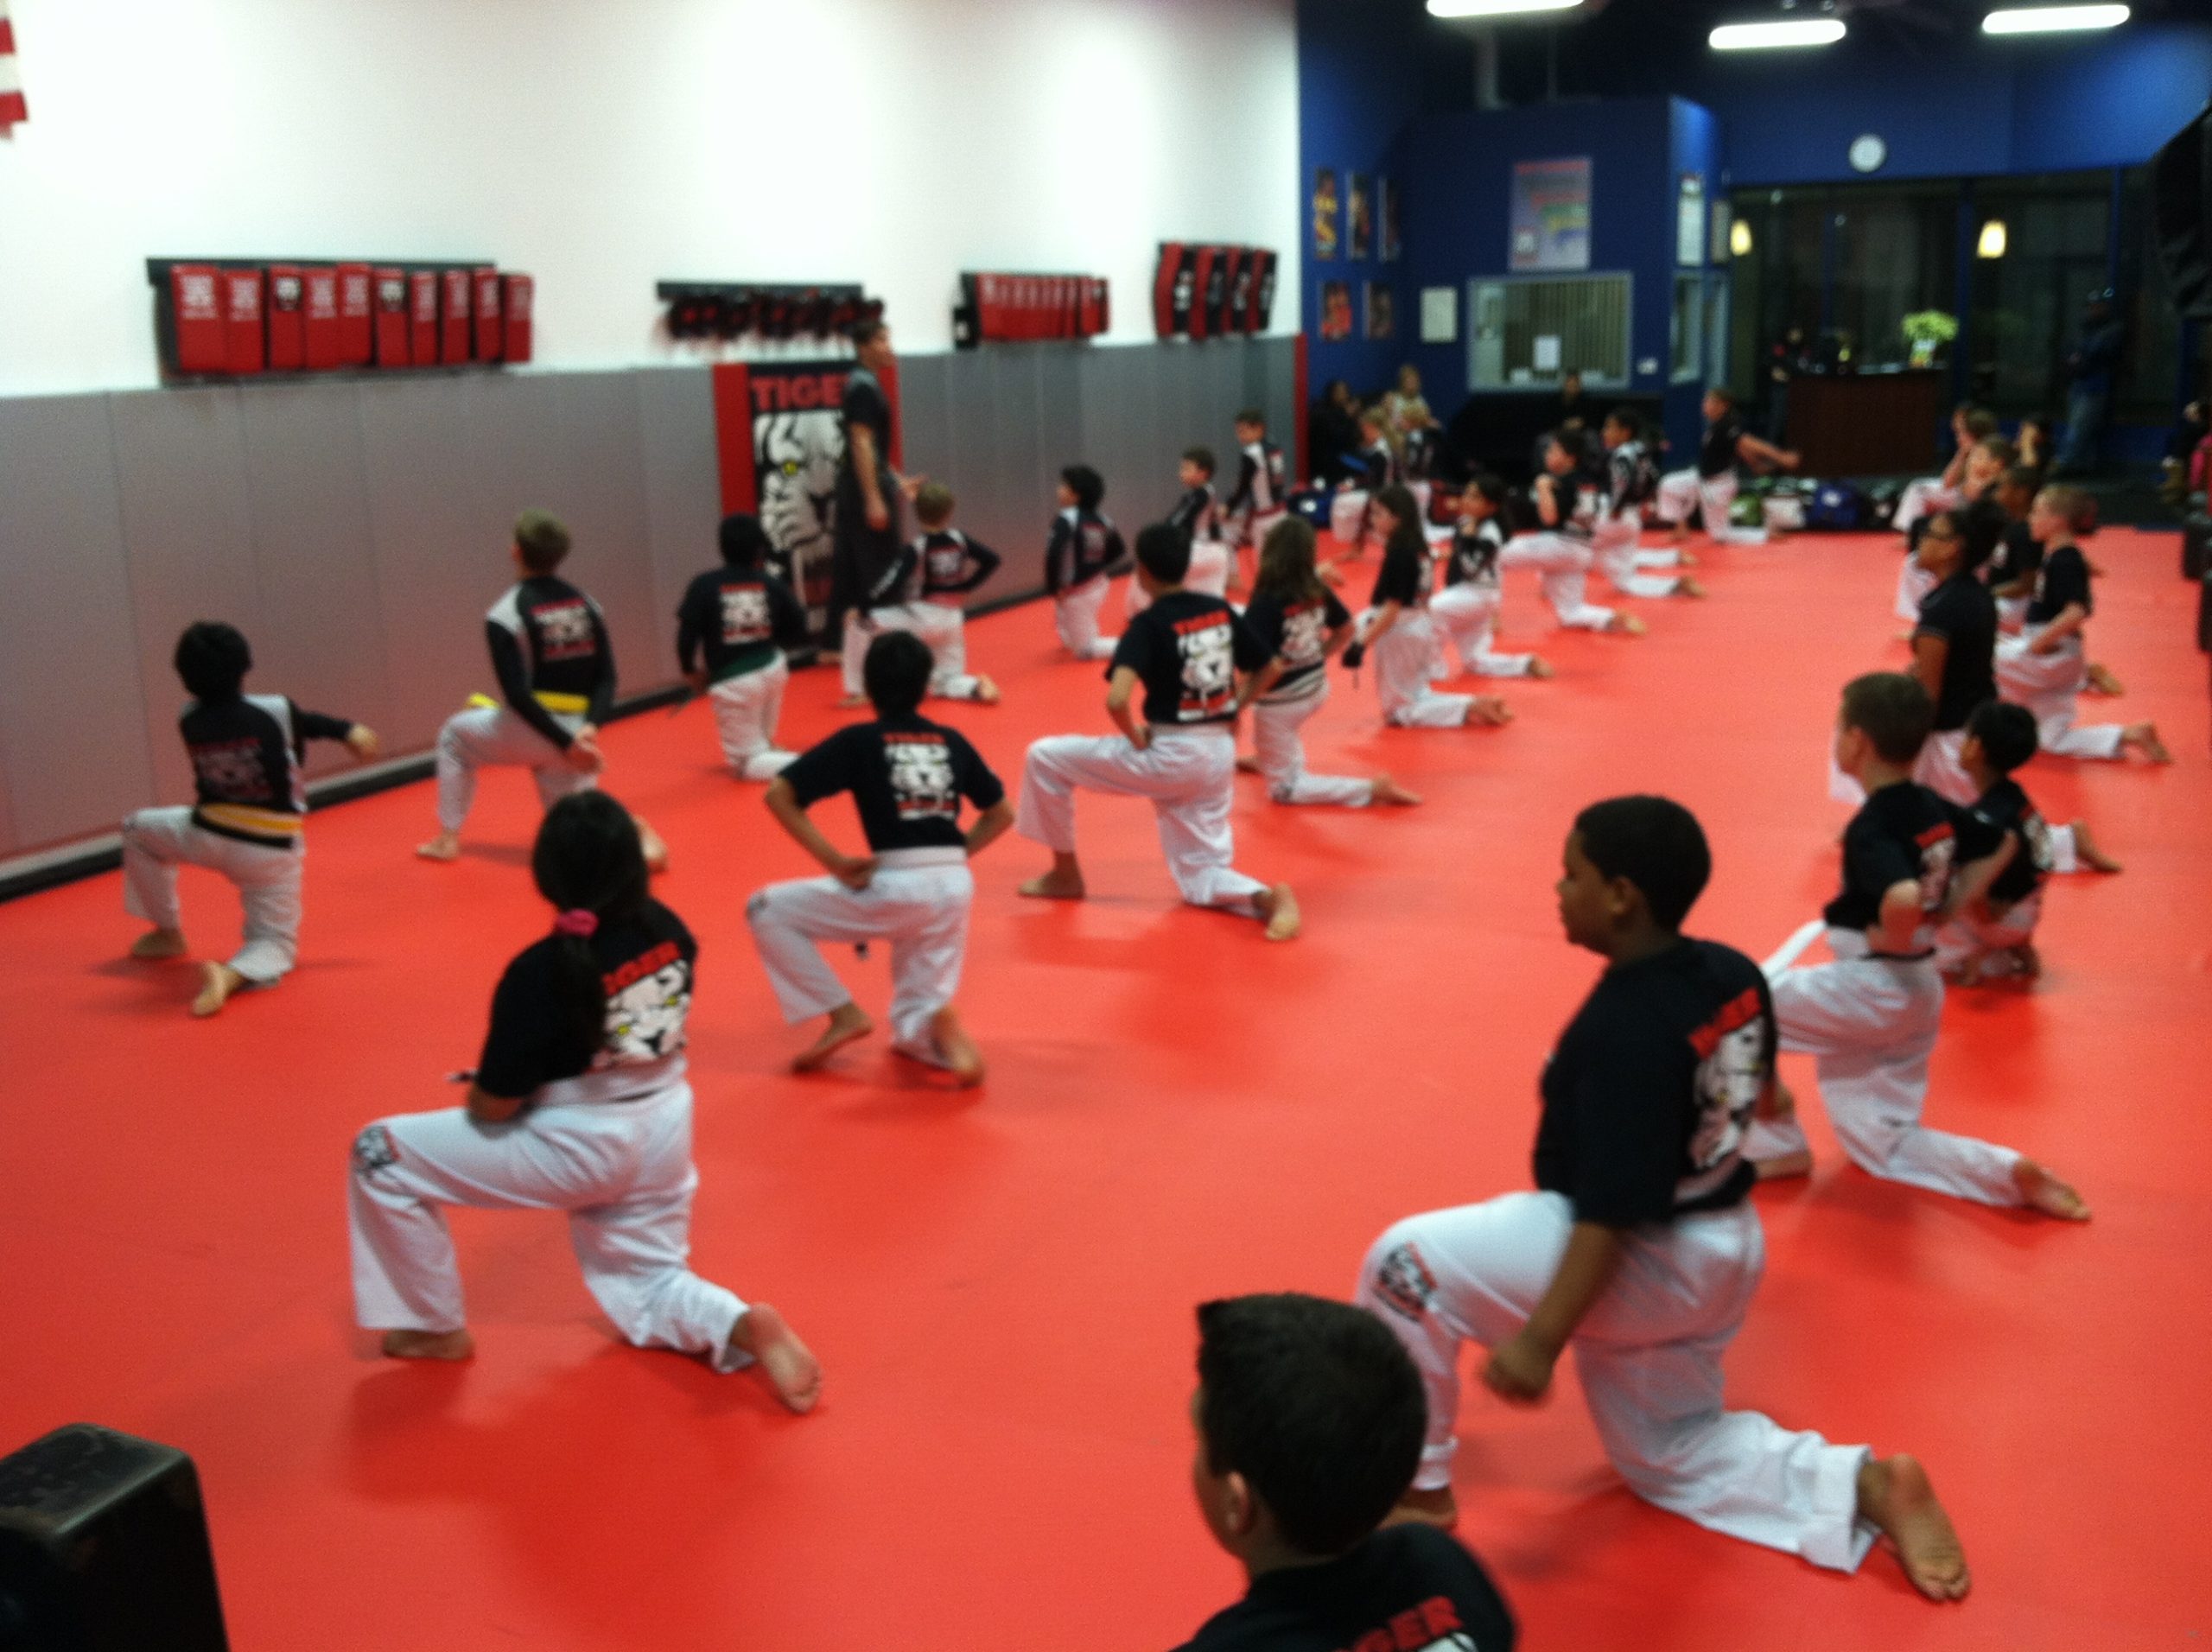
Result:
x=1991 y=244
x=1740 y=237
x=1496 y=7
x=2051 y=20
x=1751 y=37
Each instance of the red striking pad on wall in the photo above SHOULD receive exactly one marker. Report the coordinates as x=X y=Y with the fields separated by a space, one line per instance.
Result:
x=356 y=315
x=455 y=288
x=394 y=347
x=518 y=297
x=1170 y=290
x=422 y=316
x=1205 y=278
x=286 y=305
x=196 y=311
x=244 y=342
x=320 y=325
x=489 y=340
x=1263 y=298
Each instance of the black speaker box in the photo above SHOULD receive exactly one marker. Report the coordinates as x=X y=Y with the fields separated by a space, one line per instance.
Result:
x=2196 y=546
x=2181 y=207
x=104 y=1548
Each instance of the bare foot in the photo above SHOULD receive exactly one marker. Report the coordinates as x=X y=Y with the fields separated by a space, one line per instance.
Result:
x=446 y=845
x=1418 y=1508
x=851 y=701
x=1055 y=885
x=1894 y=1494
x=2103 y=682
x=962 y=1060
x=788 y=1363
x=1488 y=711
x=217 y=983
x=2042 y=1190
x=2027 y=962
x=1540 y=667
x=1279 y=907
x=2089 y=853
x=847 y=1022
x=1383 y=789
x=652 y=845
x=429 y=1344
x=2144 y=737
x=1685 y=559
x=987 y=692
x=1784 y=1165
x=1628 y=624
x=1688 y=587
x=159 y=943
x=1249 y=763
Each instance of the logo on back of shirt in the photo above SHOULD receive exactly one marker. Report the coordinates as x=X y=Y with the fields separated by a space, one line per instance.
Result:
x=921 y=777
x=647 y=999
x=1207 y=643
x=564 y=630
x=231 y=769
x=1939 y=849
x=1730 y=1077
x=2034 y=838
x=745 y=613
x=1304 y=634
x=946 y=562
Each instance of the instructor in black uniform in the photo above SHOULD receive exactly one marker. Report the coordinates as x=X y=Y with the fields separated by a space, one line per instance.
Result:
x=869 y=493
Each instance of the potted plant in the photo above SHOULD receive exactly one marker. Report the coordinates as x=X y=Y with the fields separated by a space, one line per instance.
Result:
x=1928 y=330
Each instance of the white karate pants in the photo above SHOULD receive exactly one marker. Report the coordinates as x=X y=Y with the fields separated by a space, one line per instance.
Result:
x=747 y=709
x=1870 y=1025
x=1613 y=544
x=1713 y=495
x=1966 y=939
x=1275 y=741
x=2049 y=686
x=1649 y=1353
x=1075 y=616
x=917 y=900
x=1402 y=658
x=1209 y=569
x=494 y=737
x=1914 y=584
x=1467 y=613
x=1937 y=767
x=156 y=842
x=1563 y=569
x=621 y=1168
x=863 y=628
x=1189 y=776
x=943 y=626
x=1925 y=496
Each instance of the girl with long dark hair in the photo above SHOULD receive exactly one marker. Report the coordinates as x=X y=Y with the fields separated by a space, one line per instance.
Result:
x=1397 y=626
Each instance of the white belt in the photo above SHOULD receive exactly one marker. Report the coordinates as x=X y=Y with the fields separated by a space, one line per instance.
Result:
x=940 y=854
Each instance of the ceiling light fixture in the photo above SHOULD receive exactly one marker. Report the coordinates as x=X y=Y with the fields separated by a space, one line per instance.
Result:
x=1752 y=37
x=1740 y=238
x=1991 y=244
x=1496 y=7
x=2052 y=19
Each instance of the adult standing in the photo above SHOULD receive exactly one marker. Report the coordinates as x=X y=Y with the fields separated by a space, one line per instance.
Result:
x=870 y=492
x=1789 y=359
x=2089 y=371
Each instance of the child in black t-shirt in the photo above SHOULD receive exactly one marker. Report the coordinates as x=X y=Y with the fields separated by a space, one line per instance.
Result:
x=1309 y=1419
x=1195 y=662
x=1627 y=485
x=2044 y=667
x=1641 y=1248
x=1080 y=555
x=1261 y=492
x=247 y=821
x=1299 y=622
x=1710 y=485
x=733 y=629
x=1991 y=935
x=578 y=1104
x=1466 y=608
x=1870 y=1018
x=1955 y=641
x=907 y=777
x=1398 y=626
x=1557 y=546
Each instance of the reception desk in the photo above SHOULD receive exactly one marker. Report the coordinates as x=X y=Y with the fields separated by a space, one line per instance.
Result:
x=1869 y=424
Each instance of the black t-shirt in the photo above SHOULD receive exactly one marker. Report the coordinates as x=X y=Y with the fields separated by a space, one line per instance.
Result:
x=2019 y=554
x=1649 y=1089
x=1296 y=631
x=1716 y=453
x=1962 y=613
x=865 y=407
x=1903 y=833
x=1187 y=650
x=1473 y=557
x=2063 y=578
x=951 y=563
x=1407 y=1587
x=1568 y=495
x=907 y=776
x=2005 y=808
x=247 y=782
x=1408 y=572
x=741 y=617
x=645 y=964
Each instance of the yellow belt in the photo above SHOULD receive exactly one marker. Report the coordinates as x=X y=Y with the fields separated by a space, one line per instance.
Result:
x=571 y=705
x=244 y=817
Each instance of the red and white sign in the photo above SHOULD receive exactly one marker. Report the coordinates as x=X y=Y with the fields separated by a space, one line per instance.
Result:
x=12 y=107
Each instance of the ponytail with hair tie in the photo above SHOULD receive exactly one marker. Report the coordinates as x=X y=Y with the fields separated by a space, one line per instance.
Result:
x=581 y=922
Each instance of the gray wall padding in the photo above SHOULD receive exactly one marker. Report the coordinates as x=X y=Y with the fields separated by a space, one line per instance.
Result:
x=356 y=530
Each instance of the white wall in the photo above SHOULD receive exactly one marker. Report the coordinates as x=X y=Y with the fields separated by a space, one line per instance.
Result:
x=604 y=144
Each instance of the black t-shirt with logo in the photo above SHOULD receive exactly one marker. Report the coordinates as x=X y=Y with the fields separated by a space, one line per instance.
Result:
x=1408 y=570
x=907 y=776
x=1473 y=557
x=1962 y=613
x=1647 y=1094
x=952 y=564
x=2006 y=808
x=552 y=655
x=1410 y=1587
x=1296 y=631
x=741 y=617
x=246 y=752
x=1084 y=545
x=2019 y=554
x=1716 y=453
x=2064 y=578
x=1904 y=833
x=1187 y=650
x=646 y=964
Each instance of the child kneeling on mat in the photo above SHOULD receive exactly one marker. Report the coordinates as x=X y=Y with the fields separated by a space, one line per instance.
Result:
x=578 y=1104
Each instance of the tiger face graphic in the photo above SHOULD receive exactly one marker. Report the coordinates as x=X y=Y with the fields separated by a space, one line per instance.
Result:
x=796 y=457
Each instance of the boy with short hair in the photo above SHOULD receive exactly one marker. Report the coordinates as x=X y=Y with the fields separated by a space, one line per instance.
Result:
x=1970 y=427
x=918 y=590
x=1710 y=483
x=1641 y=1248
x=1870 y=1018
x=1309 y=1419
x=1197 y=514
x=1081 y=553
x=1631 y=480
x=742 y=620
x=245 y=821
x=1195 y=662
x=554 y=664
x=906 y=776
x=1263 y=489
x=1559 y=548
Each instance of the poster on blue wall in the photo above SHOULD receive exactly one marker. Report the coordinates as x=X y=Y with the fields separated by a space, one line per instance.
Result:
x=1325 y=213
x=1359 y=215
x=1388 y=243
x=1548 y=222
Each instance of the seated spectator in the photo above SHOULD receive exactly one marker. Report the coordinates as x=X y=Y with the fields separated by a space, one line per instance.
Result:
x=1332 y=435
